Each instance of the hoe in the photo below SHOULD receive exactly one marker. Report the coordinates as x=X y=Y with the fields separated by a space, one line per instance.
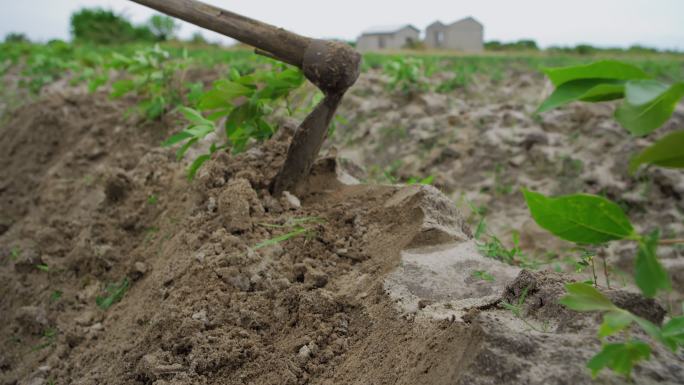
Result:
x=332 y=66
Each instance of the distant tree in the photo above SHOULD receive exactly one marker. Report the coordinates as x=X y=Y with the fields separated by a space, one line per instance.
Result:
x=641 y=49
x=198 y=38
x=16 y=37
x=526 y=44
x=520 y=45
x=100 y=26
x=585 y=49
x=163 y=27
x=493 y=45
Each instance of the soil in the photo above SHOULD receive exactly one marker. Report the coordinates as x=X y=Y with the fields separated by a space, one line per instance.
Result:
x=377 y=288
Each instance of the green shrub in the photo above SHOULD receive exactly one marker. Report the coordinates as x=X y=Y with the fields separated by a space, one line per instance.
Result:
x=100 y=26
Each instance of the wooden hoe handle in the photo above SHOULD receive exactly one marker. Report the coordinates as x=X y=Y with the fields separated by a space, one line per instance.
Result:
x=331 y=66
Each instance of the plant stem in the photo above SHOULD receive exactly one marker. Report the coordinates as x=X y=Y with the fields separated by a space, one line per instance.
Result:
x=666 y=242
x=593 y=272
x=605 y=272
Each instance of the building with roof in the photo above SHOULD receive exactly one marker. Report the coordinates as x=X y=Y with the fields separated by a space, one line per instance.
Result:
x=463 y=35
x=390 y=37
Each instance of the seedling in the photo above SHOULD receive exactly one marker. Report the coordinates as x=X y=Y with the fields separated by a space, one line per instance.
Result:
x=43 y=267
x=152 y=199
x=15 y=252
x=115 y=293
x=49 y=336
x=56 y=295
x=483 y=276
x=302 y=226
x=518 y=310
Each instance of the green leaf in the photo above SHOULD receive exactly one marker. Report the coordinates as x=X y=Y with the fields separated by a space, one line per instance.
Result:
x=620 y=357
x=649 y=275
x=648 y=327
x=116 y=293
x=614 y=322
x=196 y=164
x=605 y=69
x=580 y=218
x=641 y=115
x=583 y=297
x=667 y=152
x=176 y=138
x=590 y=90
x=122 y=87
x=673 y=333
x=180 y=153
x=194 y=116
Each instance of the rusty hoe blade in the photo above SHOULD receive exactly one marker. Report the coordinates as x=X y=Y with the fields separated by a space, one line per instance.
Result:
x=332 y=66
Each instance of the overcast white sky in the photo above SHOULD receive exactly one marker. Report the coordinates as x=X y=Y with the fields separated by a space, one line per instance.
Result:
x=658 y=23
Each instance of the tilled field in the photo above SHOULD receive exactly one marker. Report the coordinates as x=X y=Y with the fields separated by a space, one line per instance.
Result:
x=374 y=283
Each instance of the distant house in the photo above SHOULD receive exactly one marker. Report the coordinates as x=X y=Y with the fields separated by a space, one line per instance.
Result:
x=394 y=37
x=463 y=35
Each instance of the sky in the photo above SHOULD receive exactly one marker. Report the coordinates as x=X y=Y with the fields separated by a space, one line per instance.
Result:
x=606 y=23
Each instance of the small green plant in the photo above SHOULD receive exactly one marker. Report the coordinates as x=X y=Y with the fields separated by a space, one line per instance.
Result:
x=115 y=293
x=15 y=253
x=483 y=276
x=621 y=356
x=518 y=311
x=406 y=75
x=243 y=103
x=43 y=267
x=152 y=199
x=49 y=336
x=297 y=227
x=56 y=295
x=155 y=76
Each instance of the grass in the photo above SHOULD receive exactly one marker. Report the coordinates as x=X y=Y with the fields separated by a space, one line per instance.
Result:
x=115 y=293
x=297 y=227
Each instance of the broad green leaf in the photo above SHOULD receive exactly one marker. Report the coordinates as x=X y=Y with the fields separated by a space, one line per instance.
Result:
x=649 y=274
x=641 y=119
x=614 y=322
x=590 y=90
x=673 y=333
x=176 y=138
x=605 y=69
x=648 y=327
x=194 y=116
x=180 y=153
x=580 y=218
x=196 y=164
x=667 y=152
x=583 y=297
x=620 y=357
x=642 y=91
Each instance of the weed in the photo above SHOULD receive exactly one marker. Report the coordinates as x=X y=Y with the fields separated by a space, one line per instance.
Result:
x=43 y=267
x=483 y=276
x=115 y=293
x=15 y=253
x=152 y=199
x=299 y=226
x=518 y=311
x=49 y=336
x=56 y=295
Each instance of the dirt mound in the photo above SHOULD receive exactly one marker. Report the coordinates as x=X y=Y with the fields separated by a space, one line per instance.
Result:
x=220 y=282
